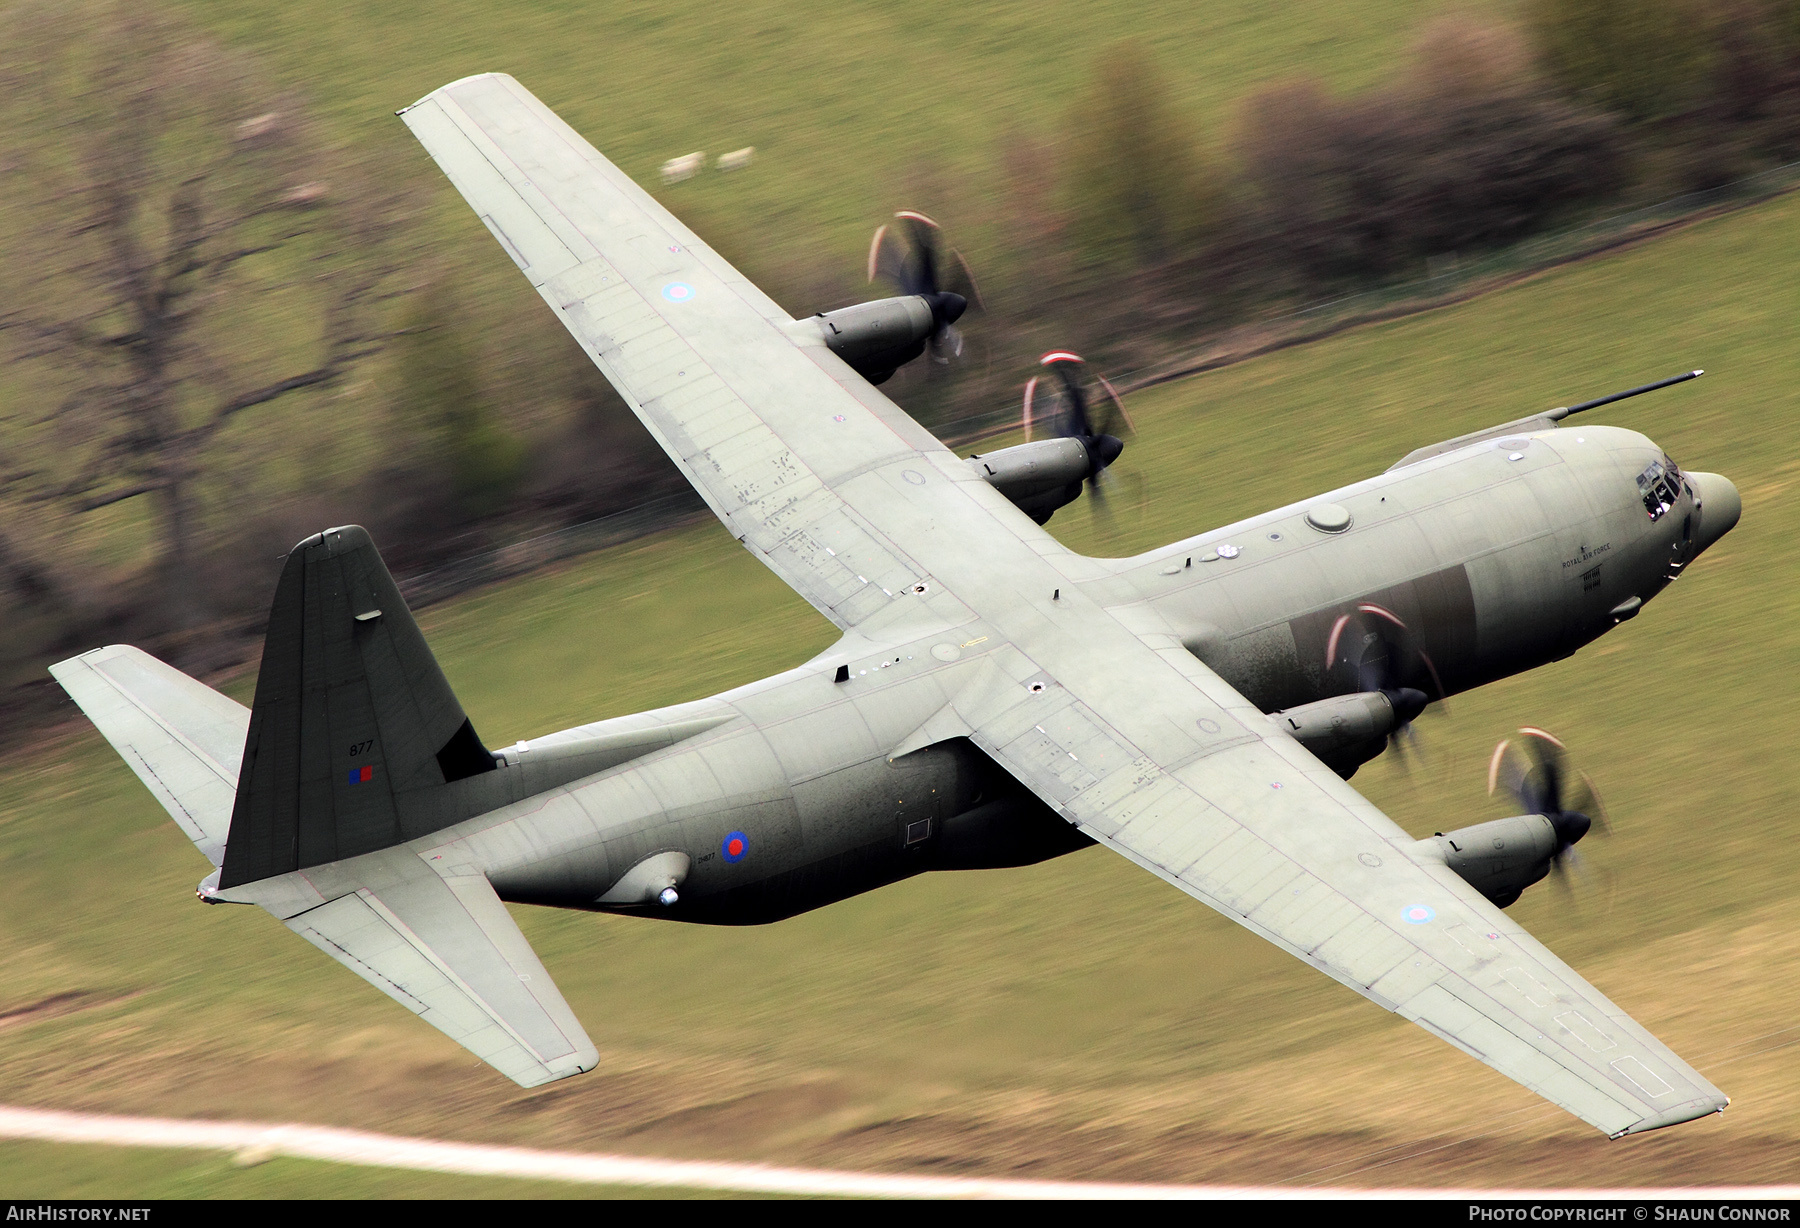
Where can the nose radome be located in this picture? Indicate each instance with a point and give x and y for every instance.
(1720, 507)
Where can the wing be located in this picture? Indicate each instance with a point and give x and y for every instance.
(1253, 825)
(181, 737)
(765, 427)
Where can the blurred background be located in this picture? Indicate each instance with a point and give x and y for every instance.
(237, 304)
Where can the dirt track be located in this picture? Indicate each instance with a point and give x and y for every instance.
(253, 1142)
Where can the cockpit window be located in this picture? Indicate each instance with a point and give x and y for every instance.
(1660, 485)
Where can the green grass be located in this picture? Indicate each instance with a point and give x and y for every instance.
(1078, 1018)
(79, 1171)
(850, 109)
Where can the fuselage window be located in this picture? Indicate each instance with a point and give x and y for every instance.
(1660, 485)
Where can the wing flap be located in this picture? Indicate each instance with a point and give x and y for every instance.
(447, 950)
(183, 739)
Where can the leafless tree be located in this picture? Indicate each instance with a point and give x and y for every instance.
(182, 249)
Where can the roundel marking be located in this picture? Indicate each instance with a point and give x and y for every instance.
(735, 846)
(1417, 914)
(678, 292)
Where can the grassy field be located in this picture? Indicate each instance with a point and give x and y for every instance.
(1077, 1019)
(79, 1172)
(849, 109)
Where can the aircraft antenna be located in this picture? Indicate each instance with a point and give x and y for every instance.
(1557, 415)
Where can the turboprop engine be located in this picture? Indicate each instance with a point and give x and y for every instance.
(1502, 858)
(1039, 476)
(1346, 731)
(878, 337)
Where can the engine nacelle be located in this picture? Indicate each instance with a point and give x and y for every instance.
(878, 337)
(1346, 731)
(1038, 477)
(1502, 858)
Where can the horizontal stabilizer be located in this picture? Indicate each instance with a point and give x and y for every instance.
(182, 738)
(447, 950)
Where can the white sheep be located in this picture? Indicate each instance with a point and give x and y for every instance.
(684, 167)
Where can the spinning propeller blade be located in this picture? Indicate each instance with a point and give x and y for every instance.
(919, 266)
(1372, 649)
(1535, 770)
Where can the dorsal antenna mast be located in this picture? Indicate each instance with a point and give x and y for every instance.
(1557, 415)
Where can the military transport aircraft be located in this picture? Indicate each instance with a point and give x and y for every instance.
(995, 698)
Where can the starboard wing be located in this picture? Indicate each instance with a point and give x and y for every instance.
(765, 426)
(1251, 824)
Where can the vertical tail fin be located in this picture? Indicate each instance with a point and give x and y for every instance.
(355, 731)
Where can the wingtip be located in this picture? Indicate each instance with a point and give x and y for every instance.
(450, 85)
(1692, 1110)
(88, 657)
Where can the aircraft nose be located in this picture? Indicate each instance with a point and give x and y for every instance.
(1720, 507)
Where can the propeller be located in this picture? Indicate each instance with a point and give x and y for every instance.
(1095, 417)
(1535, 769)
(1372, 649)
(920, 266)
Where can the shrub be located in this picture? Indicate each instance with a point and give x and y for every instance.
(1467, 151)
(1137, 192)
(1645, 59)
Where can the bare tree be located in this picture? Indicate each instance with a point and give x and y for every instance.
(183, 249)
